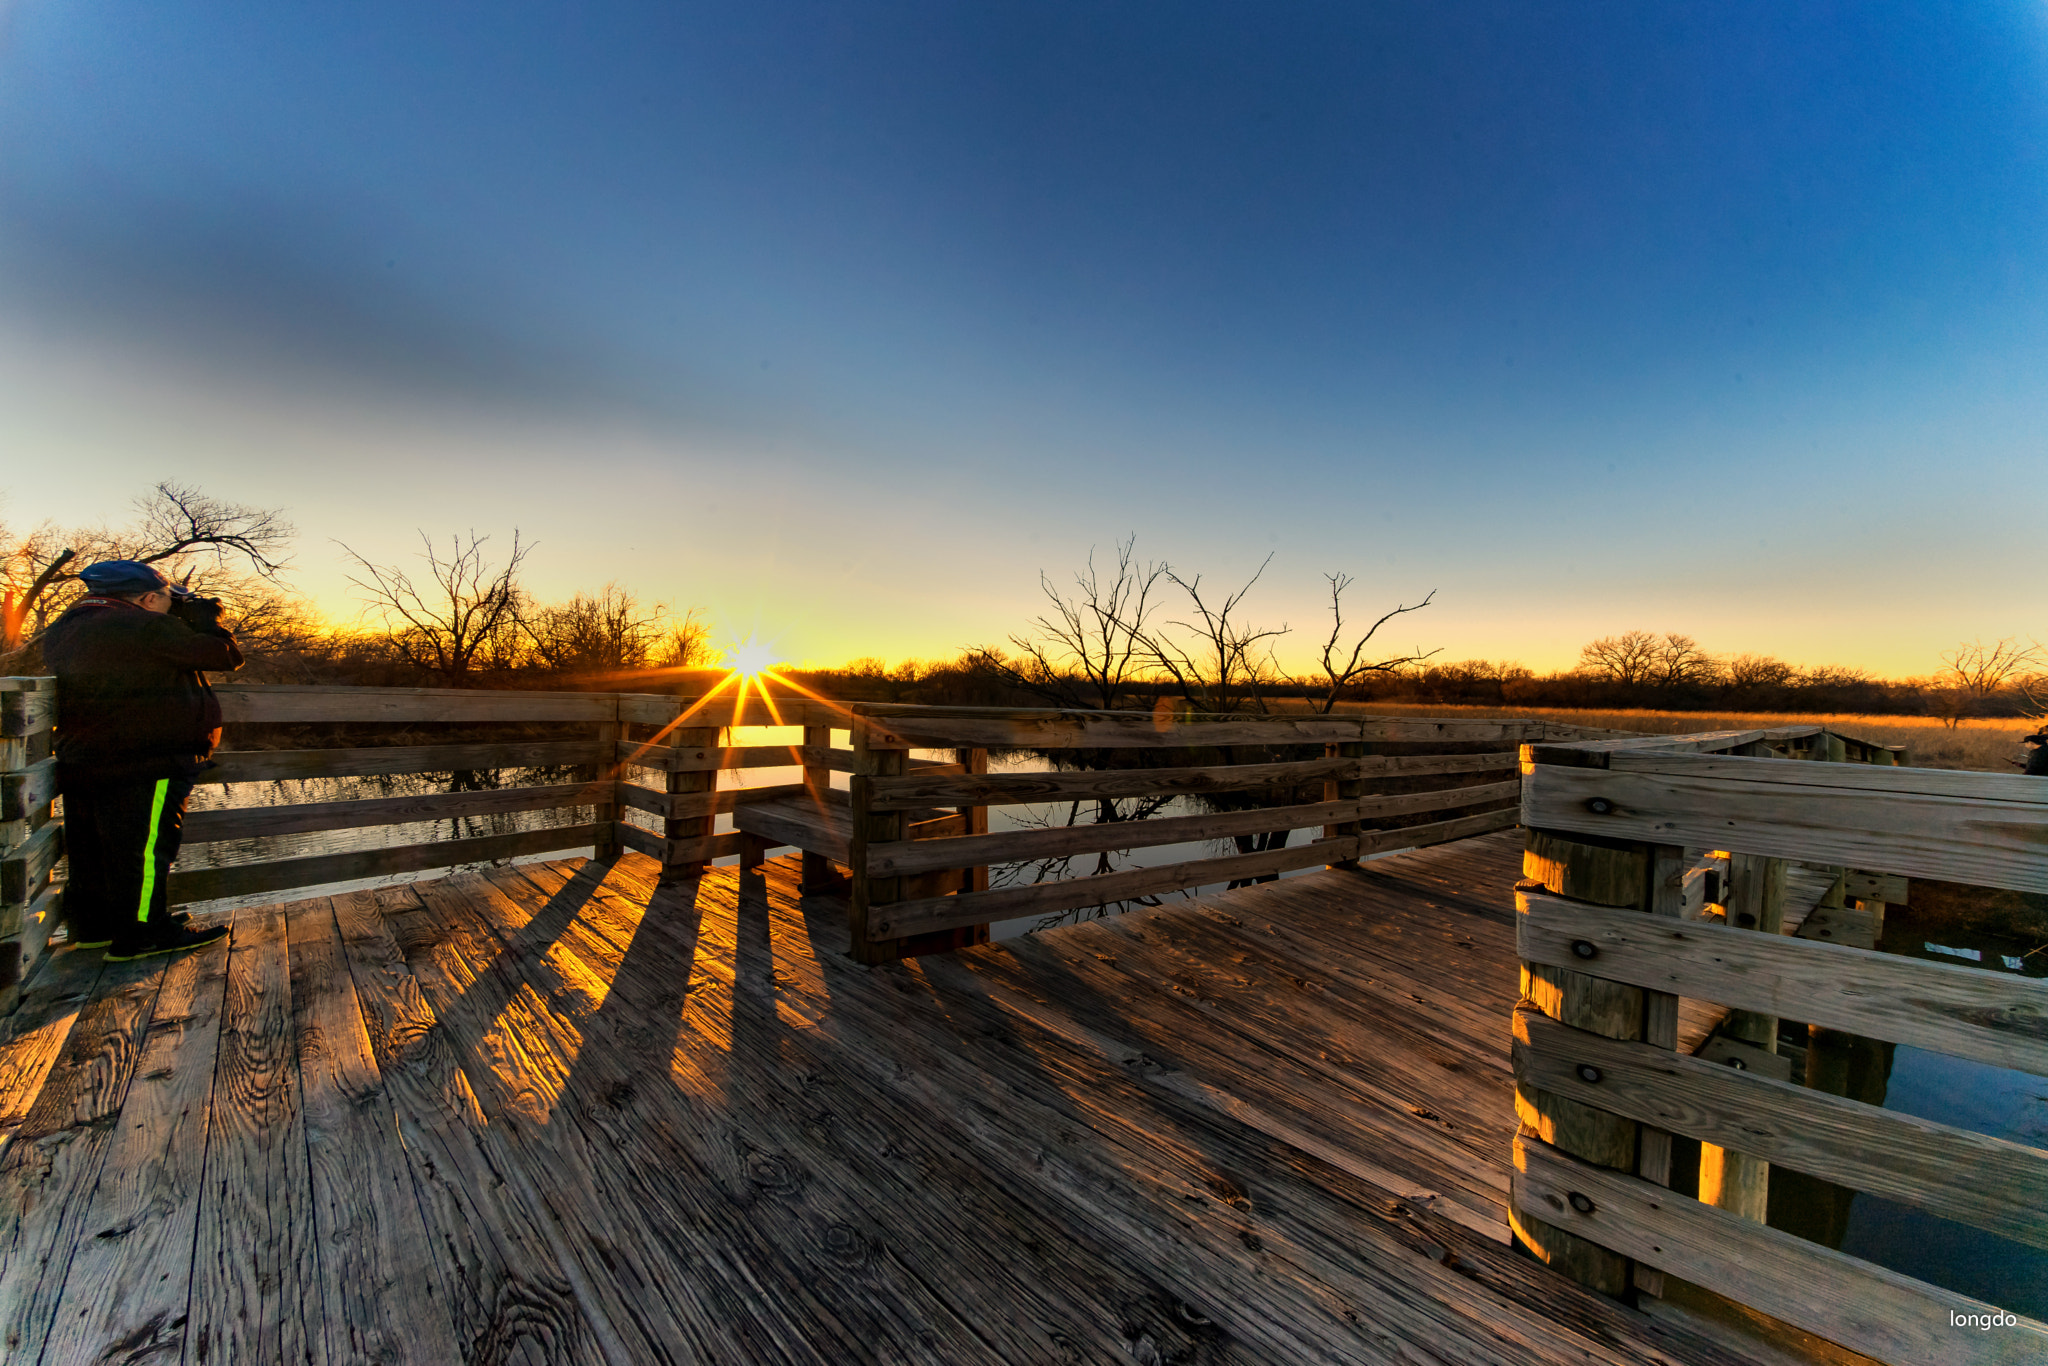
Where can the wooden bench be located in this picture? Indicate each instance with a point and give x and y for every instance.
(800, 821)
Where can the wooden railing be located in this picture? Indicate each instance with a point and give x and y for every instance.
(1608, 950)
(612, 752)
(1368, 768)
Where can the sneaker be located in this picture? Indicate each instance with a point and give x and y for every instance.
(176, 920)
(171, 939)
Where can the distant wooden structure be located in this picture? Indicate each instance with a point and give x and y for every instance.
(641, 1109)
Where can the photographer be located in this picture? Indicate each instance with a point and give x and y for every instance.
(136, 723)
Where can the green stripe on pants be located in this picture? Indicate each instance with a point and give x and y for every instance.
(156, 815)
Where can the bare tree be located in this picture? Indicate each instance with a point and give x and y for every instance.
(459, 619)
(1223, 661)
(684, 643)
(1630, 657)
(1974, 674)
(1342, 670)
(602, 633)
(1093, 645)
(178, 527)
(1747, 672)
(1679, 660)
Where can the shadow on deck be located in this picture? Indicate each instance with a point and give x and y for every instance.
(555, 1113)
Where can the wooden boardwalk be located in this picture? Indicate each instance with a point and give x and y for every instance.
(554, 1113)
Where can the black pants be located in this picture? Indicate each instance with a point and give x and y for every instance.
(120, 835)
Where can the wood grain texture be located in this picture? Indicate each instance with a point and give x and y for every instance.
(26, 867)
(49, 1170)
(268, 765)
(685, 851)
(130, 1279)
(1021, 845)
(27, 790)
(381, 1296)
(1861, 1306)
(684, 805)
(1986, 1182)
(518, 1057)
(33, 1038)
(255, 1284)
(1980, 840)
(936, 913)
(1010, 789)
(511, 1284)
(255, 822)
(1995, 1018)
(273, 704)
(318, 870)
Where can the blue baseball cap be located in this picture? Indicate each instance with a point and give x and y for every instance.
(123, 578)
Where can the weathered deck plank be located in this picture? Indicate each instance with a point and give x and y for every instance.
(563, 1113)
(50, 1169)
(496, 1250)
(131, 1277)
(379, 1286)
(255, 1288)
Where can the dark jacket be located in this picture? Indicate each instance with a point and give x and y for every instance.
(2037, 762)
(130, 698)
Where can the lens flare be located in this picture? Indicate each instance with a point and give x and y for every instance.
(749, 658)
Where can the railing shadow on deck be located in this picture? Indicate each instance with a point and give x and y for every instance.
(1609, 945)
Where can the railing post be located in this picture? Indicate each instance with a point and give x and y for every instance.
(975, 761)
(608, 775)
(692, 828)
(817, 869)
(1611, 874)
(30, 840)
(1345, 789)
(874, 757)
(1734, 1181)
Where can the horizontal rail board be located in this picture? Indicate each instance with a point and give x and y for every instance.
(1861, 1306)
(1011, 789)
(944, 913)
(208, 884)
(1437, 799)
(1997, 842)
(23, 869)
(1011, 846)
(26, 790)
(271, 765)
(1008, 903)
(1000, 728)
(1994, 1018)
(1417, 765)
(256, 703)
(708, 759)
(256, 822)
(698, 849)
(720, 710)
(681, 806)
(1970, 1177)
(837, 760)
(1796, 776)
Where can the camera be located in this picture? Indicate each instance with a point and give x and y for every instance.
(200, 613)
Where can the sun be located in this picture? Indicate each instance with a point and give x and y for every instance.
(749, 659)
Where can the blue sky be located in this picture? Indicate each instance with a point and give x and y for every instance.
(843, 322)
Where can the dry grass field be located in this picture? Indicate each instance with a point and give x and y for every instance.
(1993, 746)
